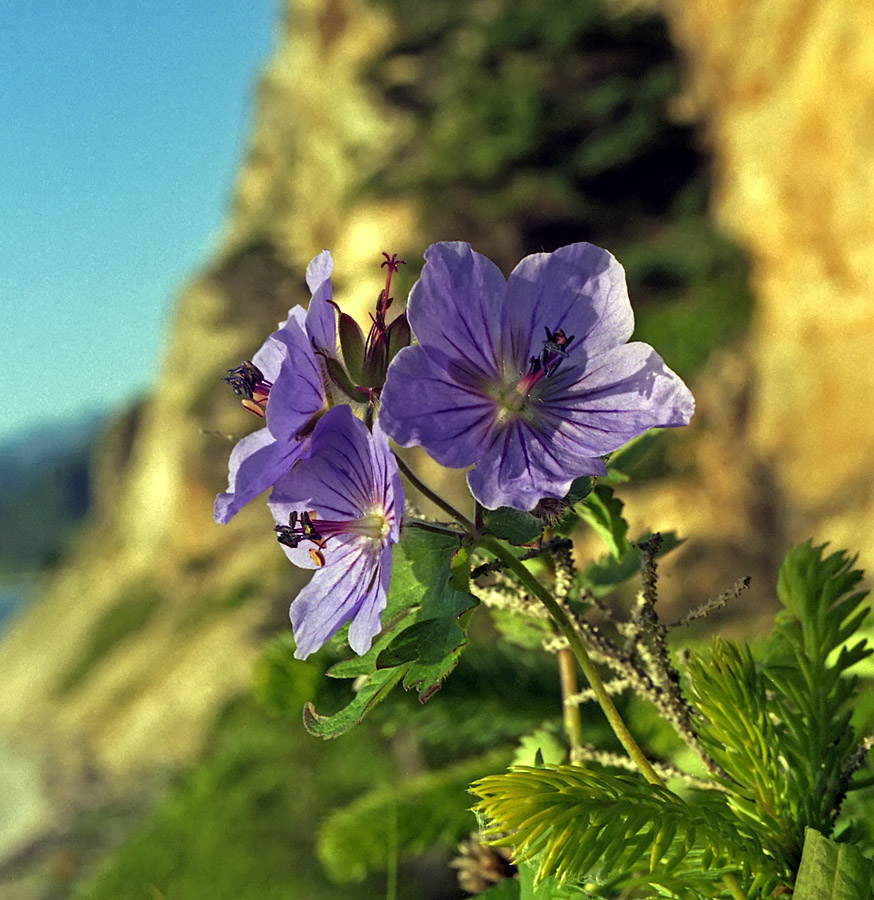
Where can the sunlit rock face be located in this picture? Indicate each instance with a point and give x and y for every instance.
(786, 88)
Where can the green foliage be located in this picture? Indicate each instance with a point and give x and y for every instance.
(512, 525)
(831, 871)
(781, 728)
(602, 510)
(423, 633)
(777, 723)
(617, 830)
(119, 622)
(242, 822)
(357, 838)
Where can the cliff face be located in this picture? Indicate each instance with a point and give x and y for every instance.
(786, 89)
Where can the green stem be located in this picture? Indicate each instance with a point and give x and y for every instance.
(734, 887)
(573, 723)
(433, 527)
(559, 616)
(423, 489)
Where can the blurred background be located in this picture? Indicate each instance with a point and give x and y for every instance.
(168, 173)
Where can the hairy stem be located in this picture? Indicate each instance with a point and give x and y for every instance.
(423, 489)
(531, 584)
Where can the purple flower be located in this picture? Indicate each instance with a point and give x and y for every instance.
(530, 380)
(285, 376)
(339, 512)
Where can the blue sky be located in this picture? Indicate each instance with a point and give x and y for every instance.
(121, 127)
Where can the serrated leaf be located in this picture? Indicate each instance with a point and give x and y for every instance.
(512, 525)
(374, 689)
(425, 618)
(434, 568)
(603, 512)
(832, 871)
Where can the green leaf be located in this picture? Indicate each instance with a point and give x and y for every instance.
(832, 871)
(574, 824)
(431, 570)
(374, 689)
(603, 511)
(546, 889)
(508, 889)
(424, 629)
(580, 489)
(512, 525)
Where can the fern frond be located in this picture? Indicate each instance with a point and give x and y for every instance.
(815, 642)
(730, 691)
(617, 829)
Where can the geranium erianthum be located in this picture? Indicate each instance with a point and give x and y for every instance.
(338, 512)
(283, 384)
(530, 380)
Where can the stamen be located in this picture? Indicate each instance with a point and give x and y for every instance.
(248, 381)
(553, 352)
(301, 528)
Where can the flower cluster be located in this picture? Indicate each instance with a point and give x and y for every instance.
(530, 381)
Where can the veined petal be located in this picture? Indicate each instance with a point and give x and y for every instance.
(423, 404)
(333, 595)
(337, 480)
(579, 289)
(522, 465)
(622, 394)
(298, 391)
(257, 462)
(455, 307)
(366, 622)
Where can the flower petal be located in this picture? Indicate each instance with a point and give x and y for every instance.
(422, 403)
(579, 289)
(321, 324)
(622, 394)
(337, 478)
(298, 391)
(455, 307)
(257, 462)
(334, 595)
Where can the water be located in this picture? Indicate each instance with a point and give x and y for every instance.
(14, 595)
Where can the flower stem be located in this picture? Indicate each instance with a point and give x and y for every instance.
(433, 527)
(573, 723)
(733, 885)
(620, 729)
(423, 489)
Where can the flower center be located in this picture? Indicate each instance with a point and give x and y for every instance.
(514, 399)
(249, 382)
(302, 527)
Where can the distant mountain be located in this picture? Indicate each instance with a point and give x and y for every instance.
(45, 490)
